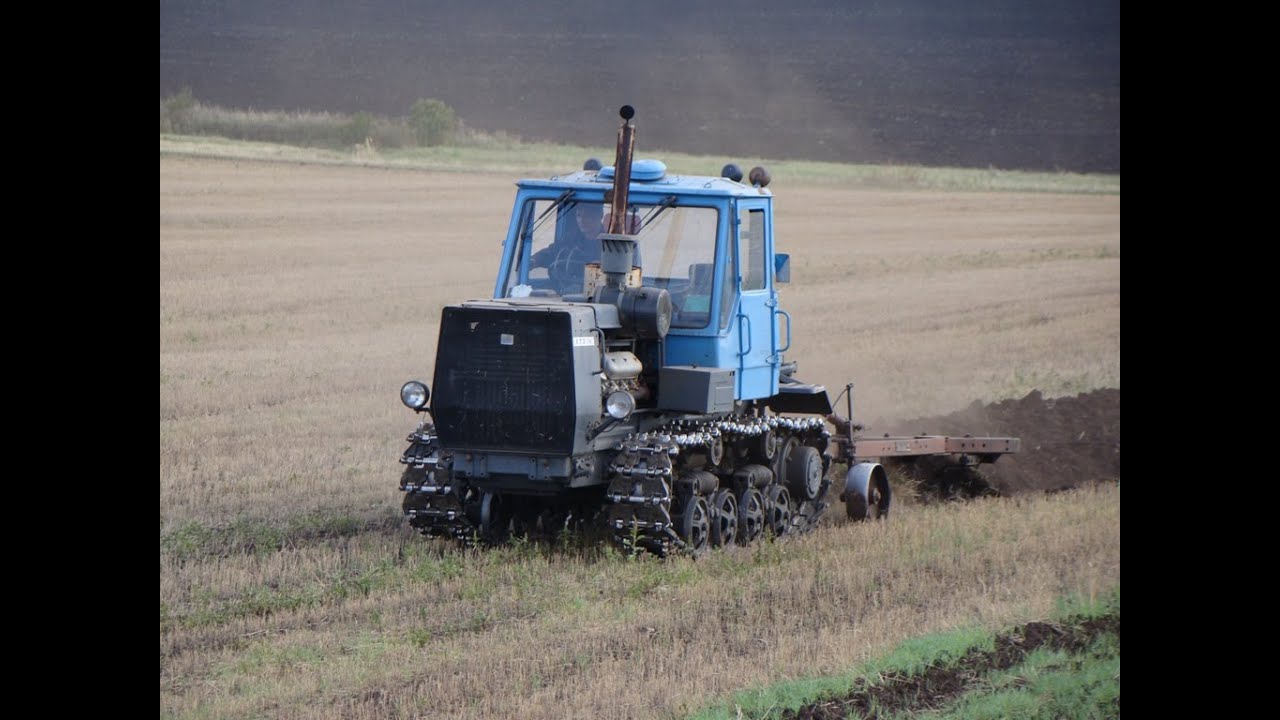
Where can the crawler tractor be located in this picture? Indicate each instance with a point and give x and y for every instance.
(629, 372)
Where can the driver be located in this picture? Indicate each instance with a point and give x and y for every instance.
(578, 242)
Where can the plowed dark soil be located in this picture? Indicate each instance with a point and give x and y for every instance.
(895, 694)
(1066, 442)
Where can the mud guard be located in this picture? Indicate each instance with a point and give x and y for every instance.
(800, 398)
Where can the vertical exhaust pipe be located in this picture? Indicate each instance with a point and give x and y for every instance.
(645, 312)
(617, 252)
(622, 171)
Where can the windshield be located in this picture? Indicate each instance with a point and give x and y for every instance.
(675, 249)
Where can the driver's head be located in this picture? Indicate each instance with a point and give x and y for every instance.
(588, 217)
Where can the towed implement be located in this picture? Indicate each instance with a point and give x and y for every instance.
(629, 372)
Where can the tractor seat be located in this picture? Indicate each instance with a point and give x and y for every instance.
(696, 301)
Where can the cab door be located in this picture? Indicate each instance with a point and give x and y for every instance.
(757, 329)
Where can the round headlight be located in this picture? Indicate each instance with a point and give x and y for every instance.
(415, 394)
(620, 404)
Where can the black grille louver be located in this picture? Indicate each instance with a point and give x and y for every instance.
(504, 381)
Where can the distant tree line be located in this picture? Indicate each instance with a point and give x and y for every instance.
(430, 122)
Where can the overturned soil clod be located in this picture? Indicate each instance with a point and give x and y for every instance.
(1067, 442)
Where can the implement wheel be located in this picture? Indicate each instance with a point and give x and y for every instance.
(867, 494)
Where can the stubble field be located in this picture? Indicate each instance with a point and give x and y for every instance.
(294, 301)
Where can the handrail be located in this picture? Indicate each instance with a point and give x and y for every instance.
(787, 315)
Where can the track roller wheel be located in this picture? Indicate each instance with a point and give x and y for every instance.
(751, 515)
(724, 526)
(779, 507)
(695, 523)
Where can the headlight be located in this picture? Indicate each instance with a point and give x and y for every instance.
(415, 395)
(619, 405)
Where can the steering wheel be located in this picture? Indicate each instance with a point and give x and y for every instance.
(565, 271)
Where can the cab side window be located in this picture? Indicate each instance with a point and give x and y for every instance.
(751, 249)
(728, 289)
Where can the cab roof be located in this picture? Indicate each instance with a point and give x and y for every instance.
(667, 183)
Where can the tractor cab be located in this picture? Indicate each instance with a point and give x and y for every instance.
(706, 241)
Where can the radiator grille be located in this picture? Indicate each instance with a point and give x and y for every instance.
(504, 381)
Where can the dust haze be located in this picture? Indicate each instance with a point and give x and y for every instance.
(997, 83)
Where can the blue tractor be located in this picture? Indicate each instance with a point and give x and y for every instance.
(629, 373)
